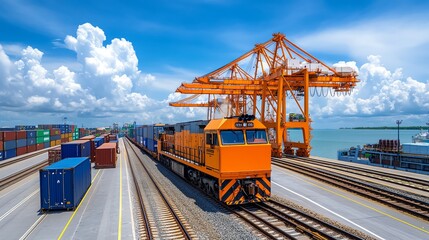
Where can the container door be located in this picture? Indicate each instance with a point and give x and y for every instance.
(56, 185)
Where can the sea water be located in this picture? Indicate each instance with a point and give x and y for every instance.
(326, 142)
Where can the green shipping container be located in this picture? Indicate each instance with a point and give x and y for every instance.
(43, 139)
(43, 133)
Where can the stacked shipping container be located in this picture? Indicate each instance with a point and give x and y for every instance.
(31, 141)
(55, 135)
(21, 143)
(9, 144)
(25, 139)
(1, 146)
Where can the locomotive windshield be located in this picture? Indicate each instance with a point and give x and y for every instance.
(232, 137)
(256, 136)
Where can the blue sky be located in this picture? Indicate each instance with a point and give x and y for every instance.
(120, 61)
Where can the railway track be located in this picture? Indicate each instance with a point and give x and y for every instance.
(393, 199)
(406, 181)
(14, 178)
(10, 162)
(278, 221)
(160, 218)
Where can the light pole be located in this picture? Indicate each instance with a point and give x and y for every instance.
(399, 143)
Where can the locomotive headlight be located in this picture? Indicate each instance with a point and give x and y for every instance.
(245, 124)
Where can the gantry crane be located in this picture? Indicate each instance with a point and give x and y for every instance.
(260, 82)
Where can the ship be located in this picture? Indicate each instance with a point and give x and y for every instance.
(389, 153)
(422, 136)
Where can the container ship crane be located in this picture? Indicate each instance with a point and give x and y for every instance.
(266, 82)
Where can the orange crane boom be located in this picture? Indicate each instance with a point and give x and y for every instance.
(260, 82)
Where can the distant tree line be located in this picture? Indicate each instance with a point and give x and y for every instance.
(388, 128)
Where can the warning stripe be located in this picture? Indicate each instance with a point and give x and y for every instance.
(231, 188)
(231, 192)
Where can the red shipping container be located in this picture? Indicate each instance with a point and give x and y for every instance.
(54, 131)
(1, 136)
(64, 140)
(106, 156)
(21, 134)
(21, 151)
(91, 138)
(7, 136)
(31, 148)
(40, 146)
(1, 145)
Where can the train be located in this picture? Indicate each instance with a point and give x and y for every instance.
(228, 158)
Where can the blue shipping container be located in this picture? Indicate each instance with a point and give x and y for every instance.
(78, 148)
(1, 155)
(98, 141)
(31, 141)
(64, 183)
(9, 153)
(47, 145)
(8, 145)
(21, 143)
(55, 137)
(31, 134)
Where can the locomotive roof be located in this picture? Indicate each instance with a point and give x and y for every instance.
(229, 123)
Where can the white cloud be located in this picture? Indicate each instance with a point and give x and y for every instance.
(37, 100)
(107, 83)
(401, 40)
(66, 79)
(380, 93)
(5, 64)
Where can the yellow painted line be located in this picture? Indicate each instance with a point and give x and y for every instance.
(364, 205)
(120, 199)
(75, 211)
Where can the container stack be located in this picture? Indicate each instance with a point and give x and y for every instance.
(106, 156)
(54, 155)
(55, 136)
(21, 143)
(75, 132)
(31, 140)
(25, 139)
(43, 138)
(1, 146)
(25, 127)
(64, 183)
(9, 144)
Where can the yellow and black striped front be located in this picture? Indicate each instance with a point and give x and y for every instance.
(232, 191)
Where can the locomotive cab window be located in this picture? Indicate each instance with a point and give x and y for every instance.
(211, 139)
(256, 136)
(229, 137)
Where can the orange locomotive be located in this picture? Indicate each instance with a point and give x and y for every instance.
(228, 158)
